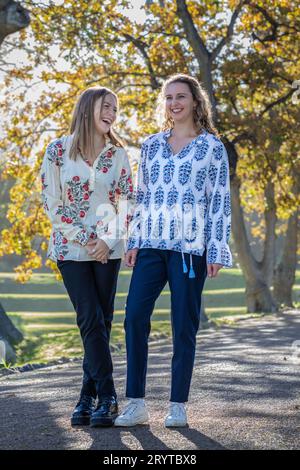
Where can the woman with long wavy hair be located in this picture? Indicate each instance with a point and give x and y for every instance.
(86, 178)
(179, 234)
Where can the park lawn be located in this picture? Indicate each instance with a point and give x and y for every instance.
(42, 311)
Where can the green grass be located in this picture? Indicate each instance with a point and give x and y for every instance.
(42, 310)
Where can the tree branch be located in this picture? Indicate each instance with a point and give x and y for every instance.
(275, 103)
(141, 46)
(229, 32)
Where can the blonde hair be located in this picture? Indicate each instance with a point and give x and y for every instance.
(83, 125)
(202, 112)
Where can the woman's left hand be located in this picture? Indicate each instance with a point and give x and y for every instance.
(98, 249)
(213, 269)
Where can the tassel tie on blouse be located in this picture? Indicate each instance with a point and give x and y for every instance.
(184, 266)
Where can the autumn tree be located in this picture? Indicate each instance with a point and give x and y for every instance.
(245, 54)
(13, 17)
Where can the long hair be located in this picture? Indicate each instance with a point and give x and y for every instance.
(83, 125)
(202, 113)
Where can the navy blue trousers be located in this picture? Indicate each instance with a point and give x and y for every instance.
(153, 269)
(92, 287)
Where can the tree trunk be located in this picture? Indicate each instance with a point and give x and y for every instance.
(8, 331)
(284, 275)
(258, 294)
(268, 263)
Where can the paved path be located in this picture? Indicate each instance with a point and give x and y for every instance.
(245, 395)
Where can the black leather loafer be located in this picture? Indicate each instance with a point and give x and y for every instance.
(105, 413)
(83, 411)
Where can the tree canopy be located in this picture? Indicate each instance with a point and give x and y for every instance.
(246, 53)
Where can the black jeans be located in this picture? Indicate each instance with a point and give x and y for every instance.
(92, 286)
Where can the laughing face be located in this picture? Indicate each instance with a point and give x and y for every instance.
(105, 113)
(179, 102)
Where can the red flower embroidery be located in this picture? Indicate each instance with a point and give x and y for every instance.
(109, 154)
(69, 220)
(76, 178)
(118, 191)
(64, 240)
(104, 169)
(61, 257)
(85, 187)
(86, 196)
(63, 218)
(81, 214)
(123, 172)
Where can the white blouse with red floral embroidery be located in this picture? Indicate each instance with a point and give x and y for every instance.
(85, 202)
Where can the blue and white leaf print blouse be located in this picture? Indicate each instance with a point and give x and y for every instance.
(83, 202)
(183, 200)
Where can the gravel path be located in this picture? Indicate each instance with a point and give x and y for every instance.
(245, 395)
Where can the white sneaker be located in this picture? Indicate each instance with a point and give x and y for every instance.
(177, 416)
(134, 413)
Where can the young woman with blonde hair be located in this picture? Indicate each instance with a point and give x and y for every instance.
(179, 234)
(86, 176)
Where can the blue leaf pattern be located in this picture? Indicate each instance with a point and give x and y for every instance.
(218, 152)
(184, 172)
(200, 179)
(166, 153)
(147, 199)
(159, 197)
(168, 172)
(212, 254)
(212, 173)
(154, 172)
(228, 230)
(227, 205)
(173, 229)
(191, 231)
(139, 195)
(172, 197)
(208, 229)
(201, 150)
(149, 226)
(187, 199)
(223, 175)
(162, 245)
(216, 202)
(153, 149)
(166, 184)
(219, 229)
(146, 176)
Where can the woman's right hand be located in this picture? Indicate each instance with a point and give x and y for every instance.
(130, 257)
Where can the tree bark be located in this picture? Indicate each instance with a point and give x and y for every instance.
(8, 330)
(13, 18)
(268, 262)
(284, 275)
(258, 294)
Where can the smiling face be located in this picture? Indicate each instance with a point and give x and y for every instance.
(179, 102)
(105, 113)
